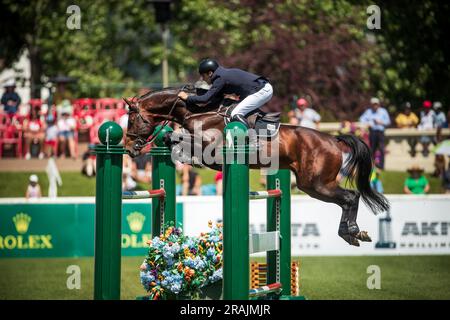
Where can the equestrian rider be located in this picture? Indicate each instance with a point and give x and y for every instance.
(253, 90)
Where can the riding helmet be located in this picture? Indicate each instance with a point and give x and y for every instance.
(207, 65)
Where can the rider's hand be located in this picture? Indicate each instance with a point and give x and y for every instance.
(231, 96)
(183, 95)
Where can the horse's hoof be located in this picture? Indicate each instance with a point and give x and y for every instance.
(363, 236)
(355, 242)
(349, 239)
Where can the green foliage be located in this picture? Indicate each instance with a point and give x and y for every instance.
(410, 59)
(321, 49)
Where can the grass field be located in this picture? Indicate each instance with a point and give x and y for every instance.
(14, 184)
(402, 277)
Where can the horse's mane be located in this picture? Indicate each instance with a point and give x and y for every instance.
(188, 88)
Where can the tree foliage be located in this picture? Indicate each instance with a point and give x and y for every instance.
(319, 49)
(411, 56)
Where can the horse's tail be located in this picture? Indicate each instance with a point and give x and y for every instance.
(359, 167)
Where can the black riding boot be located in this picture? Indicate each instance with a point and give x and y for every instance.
(240, 118)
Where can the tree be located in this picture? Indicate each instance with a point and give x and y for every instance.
(412, 53)
(304, 47)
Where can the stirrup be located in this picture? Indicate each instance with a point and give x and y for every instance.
(240, 118)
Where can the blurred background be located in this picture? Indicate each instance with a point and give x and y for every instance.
(65, 66)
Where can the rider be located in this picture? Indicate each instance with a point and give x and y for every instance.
(253, 90)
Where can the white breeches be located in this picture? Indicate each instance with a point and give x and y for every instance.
(254, 101)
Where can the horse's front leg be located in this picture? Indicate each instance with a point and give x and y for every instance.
(185, 148)
(179, 148)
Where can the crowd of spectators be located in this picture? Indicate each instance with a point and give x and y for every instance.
(372, 126)
(52, 130)
(41, 129)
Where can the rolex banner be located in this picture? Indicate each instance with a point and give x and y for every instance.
(67, 229)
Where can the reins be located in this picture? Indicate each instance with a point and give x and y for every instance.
(152, 137)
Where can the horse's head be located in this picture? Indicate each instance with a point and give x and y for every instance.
(145, 113)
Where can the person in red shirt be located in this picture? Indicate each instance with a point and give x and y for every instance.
(219, 186)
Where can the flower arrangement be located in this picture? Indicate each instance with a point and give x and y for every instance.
(180, 266)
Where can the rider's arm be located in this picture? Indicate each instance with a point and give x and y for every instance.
(217, 86)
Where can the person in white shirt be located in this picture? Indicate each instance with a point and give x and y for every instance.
(427, 122)
(33, 189)
(304, 116)
(66, 133)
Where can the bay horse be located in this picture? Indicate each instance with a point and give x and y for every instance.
(315, 158)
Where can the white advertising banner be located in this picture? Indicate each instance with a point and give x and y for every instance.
(415, 225)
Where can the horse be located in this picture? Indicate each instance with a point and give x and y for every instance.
(317, 159)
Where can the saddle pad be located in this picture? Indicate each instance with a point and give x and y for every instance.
(267, 129)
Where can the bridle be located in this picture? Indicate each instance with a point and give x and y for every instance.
(141, 142)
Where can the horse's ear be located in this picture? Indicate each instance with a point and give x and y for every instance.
(129, 103)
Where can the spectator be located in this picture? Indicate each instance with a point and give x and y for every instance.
(377, 119)
(34, 189)
(123, 122)
(66, 133)
(446, 179)
(128, 183)
(348, 127)
(51, 135)
(441, 120)
(441, 123)
(142, 168)
(416, 183)
(427, 122)
(34, 133)
(375, 181)
(190, 180)
(408, 119)
(219, 183)
(89, 166)
(10, 99)
(304, 116)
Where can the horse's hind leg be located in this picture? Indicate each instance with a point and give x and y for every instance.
(347, 199)
(353, 228)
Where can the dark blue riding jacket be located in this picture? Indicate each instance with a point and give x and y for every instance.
(230, 81)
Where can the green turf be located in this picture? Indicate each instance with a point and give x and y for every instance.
(14, 184)
(402, 277)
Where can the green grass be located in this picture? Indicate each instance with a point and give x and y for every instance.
(14, 184)
(402, 277)
(393, 182)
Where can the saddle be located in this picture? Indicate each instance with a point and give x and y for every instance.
(266, 124)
